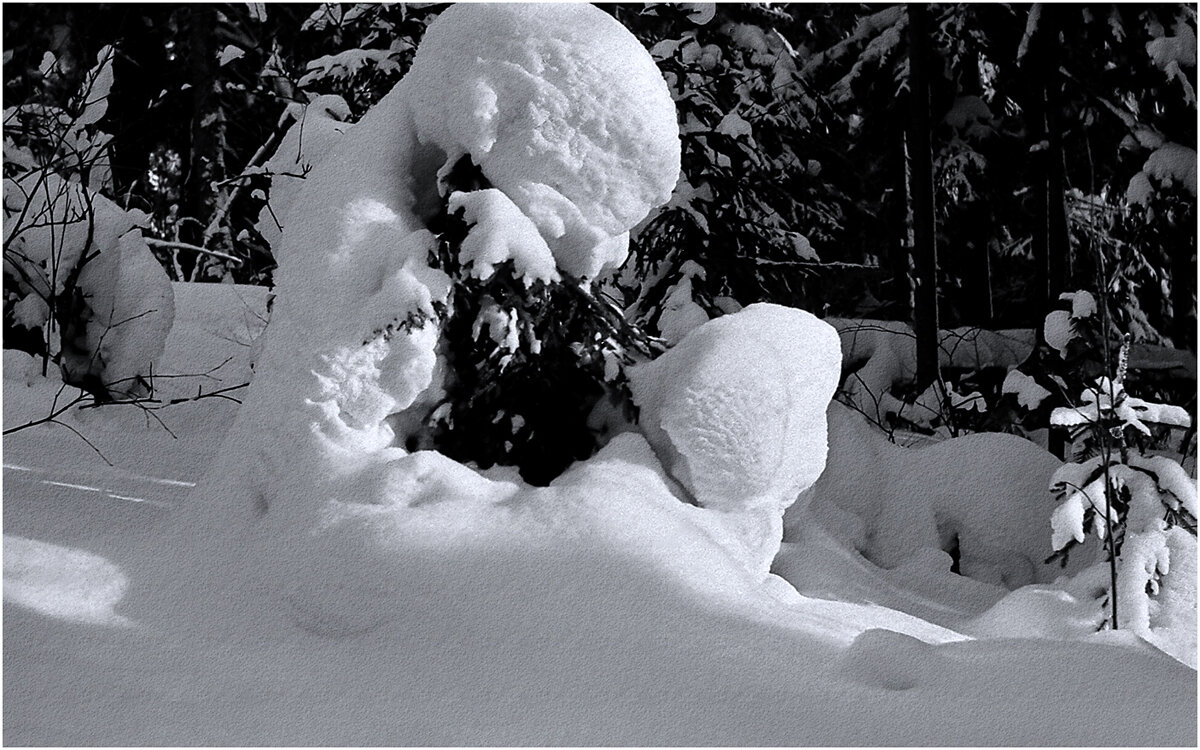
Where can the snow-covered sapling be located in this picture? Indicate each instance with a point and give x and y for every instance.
(1141, 507)
(530, 351)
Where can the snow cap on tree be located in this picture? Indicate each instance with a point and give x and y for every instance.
(605, 145)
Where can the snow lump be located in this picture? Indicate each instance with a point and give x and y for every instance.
(563, 111)
(736, 413)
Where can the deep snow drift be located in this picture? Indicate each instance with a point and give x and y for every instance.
(321, 585)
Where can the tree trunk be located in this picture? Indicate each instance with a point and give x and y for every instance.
(1058, 236)
(1183, 274)
(207, 129)
(920, 154)
(1051, 237)
(140, 72)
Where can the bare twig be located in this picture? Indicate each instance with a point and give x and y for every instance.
(171, 245)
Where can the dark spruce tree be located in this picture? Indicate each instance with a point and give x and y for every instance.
(522, 402)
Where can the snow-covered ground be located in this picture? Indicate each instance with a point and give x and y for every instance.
(610, 622)
(282, 572)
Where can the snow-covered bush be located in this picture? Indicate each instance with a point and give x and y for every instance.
(380, 316)
(1142, 508)
(529, 351)
(81, 285)
(311, 131)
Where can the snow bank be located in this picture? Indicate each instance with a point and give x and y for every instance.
(564, 111)
(593, 612)
(983, 496)
(736, 412)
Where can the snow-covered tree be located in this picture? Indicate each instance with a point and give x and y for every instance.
(1141, 507)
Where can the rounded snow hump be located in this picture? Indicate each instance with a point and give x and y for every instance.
(605, 144)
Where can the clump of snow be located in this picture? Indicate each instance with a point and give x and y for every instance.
(1168, 618)
(500, 232)
(1058, 331)
(48, 221)
(1030, 394)
(563, 111)
(736, 412)
(1174, 53)
(1170, 164)
(1083, 304)
(132, 306)
(680, 313)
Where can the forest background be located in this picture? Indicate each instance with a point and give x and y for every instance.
(945, 166)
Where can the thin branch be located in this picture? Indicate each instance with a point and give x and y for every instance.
(169, 245)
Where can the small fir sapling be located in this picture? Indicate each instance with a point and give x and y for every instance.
(1135, 504)
(527, 357)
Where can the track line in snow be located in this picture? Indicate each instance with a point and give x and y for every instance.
(82, 487)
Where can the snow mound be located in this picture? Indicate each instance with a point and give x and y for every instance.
(500, 232)
(352, 353)
(736, 413)
(564, 111)
(133, 307)
(981, 496)
(124, 307)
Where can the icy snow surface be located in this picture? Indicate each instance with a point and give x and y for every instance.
(321, 586)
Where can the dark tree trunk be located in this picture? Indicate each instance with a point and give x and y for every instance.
(1058, 236)
(920, 153)
(1183, 275)
(976, 224)
(1051, 237)
(207, 126)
